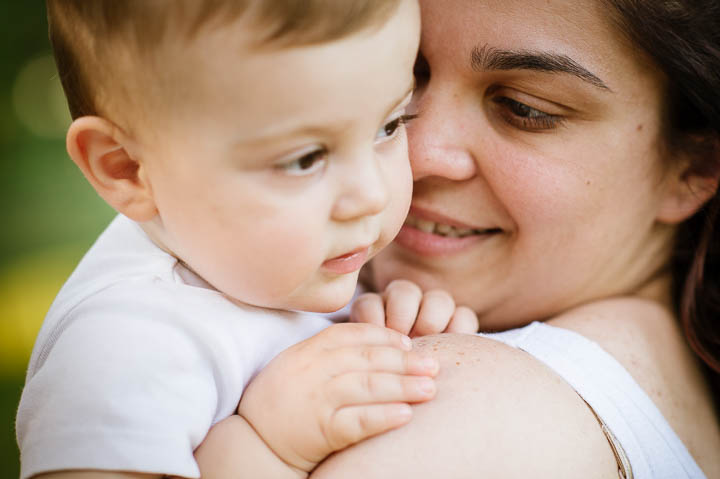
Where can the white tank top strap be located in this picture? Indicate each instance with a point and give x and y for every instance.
(623, 463)
(644, 444)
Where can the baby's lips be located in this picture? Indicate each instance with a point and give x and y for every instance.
(347, 263)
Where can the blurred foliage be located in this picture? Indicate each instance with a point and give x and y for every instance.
(51, 214)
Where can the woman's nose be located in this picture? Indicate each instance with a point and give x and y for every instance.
(438, 140)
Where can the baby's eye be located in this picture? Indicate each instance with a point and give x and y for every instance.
(389, 129)
(307, 164)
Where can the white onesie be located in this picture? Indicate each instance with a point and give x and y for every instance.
(137, 359)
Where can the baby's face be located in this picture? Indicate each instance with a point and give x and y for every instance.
(277, 173)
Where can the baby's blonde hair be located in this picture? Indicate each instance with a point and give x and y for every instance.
(85, 34)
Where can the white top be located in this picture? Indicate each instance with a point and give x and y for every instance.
(653, 449)
(137, 358)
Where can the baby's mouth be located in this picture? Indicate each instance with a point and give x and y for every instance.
(448, 231)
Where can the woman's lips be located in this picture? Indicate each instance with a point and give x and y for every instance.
(347, 263)
(432, 235)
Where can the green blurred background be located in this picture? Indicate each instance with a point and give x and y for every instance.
(50, 216)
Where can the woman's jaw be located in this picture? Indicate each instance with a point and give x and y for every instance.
(511, 278)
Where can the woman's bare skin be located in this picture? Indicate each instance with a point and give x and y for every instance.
(501, 413)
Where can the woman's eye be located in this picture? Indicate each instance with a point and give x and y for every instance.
(526, 117)
(306, 164)
(389, 129)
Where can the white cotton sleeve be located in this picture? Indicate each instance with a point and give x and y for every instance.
(121, 388)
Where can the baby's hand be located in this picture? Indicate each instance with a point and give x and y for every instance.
(343, 385)
(405, 308)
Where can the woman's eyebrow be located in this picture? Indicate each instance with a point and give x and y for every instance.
(486, 58)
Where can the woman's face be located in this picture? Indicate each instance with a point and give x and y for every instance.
(536, 157)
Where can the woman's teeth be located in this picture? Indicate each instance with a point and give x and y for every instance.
(440, 228)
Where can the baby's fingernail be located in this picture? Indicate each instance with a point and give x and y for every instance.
(429, 364)
(407, 342)
(426, 386)
(402, 412)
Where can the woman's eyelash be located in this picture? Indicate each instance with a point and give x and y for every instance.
(526, 117)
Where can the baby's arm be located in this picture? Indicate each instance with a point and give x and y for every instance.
(343, 385)
(405, 308)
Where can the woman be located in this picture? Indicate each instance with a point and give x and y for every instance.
(566, 161)
(575, 147)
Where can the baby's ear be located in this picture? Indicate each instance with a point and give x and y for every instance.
(101, 150)
(688, 189)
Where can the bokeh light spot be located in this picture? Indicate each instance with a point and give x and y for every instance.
(38, 99)
(28, 286)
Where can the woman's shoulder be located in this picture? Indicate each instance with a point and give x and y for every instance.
(643, 336)
(498, 413)
(646, 339)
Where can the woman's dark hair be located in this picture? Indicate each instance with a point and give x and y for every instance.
(682, 37)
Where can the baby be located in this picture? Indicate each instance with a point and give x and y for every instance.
(256, 153)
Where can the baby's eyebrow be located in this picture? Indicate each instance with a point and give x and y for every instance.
(487, 58)
(314, 129)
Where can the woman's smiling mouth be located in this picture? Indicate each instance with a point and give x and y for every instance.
(434, 238)
(446, 230)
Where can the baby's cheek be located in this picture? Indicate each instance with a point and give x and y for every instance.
(263, 262)
(396, 212)
(287, 258)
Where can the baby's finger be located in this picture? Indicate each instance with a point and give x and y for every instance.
(353, 334)
(436, 311)
(357, 388)
(402, 301)
(380, 359)
(368, 308)
(463, 321)
(354, 423)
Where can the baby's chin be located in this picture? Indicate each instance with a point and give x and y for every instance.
(328, 297)
(336, 297)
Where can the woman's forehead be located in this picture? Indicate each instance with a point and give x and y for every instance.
(578, 36)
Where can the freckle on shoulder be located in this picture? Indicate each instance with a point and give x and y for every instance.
(508, 401)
